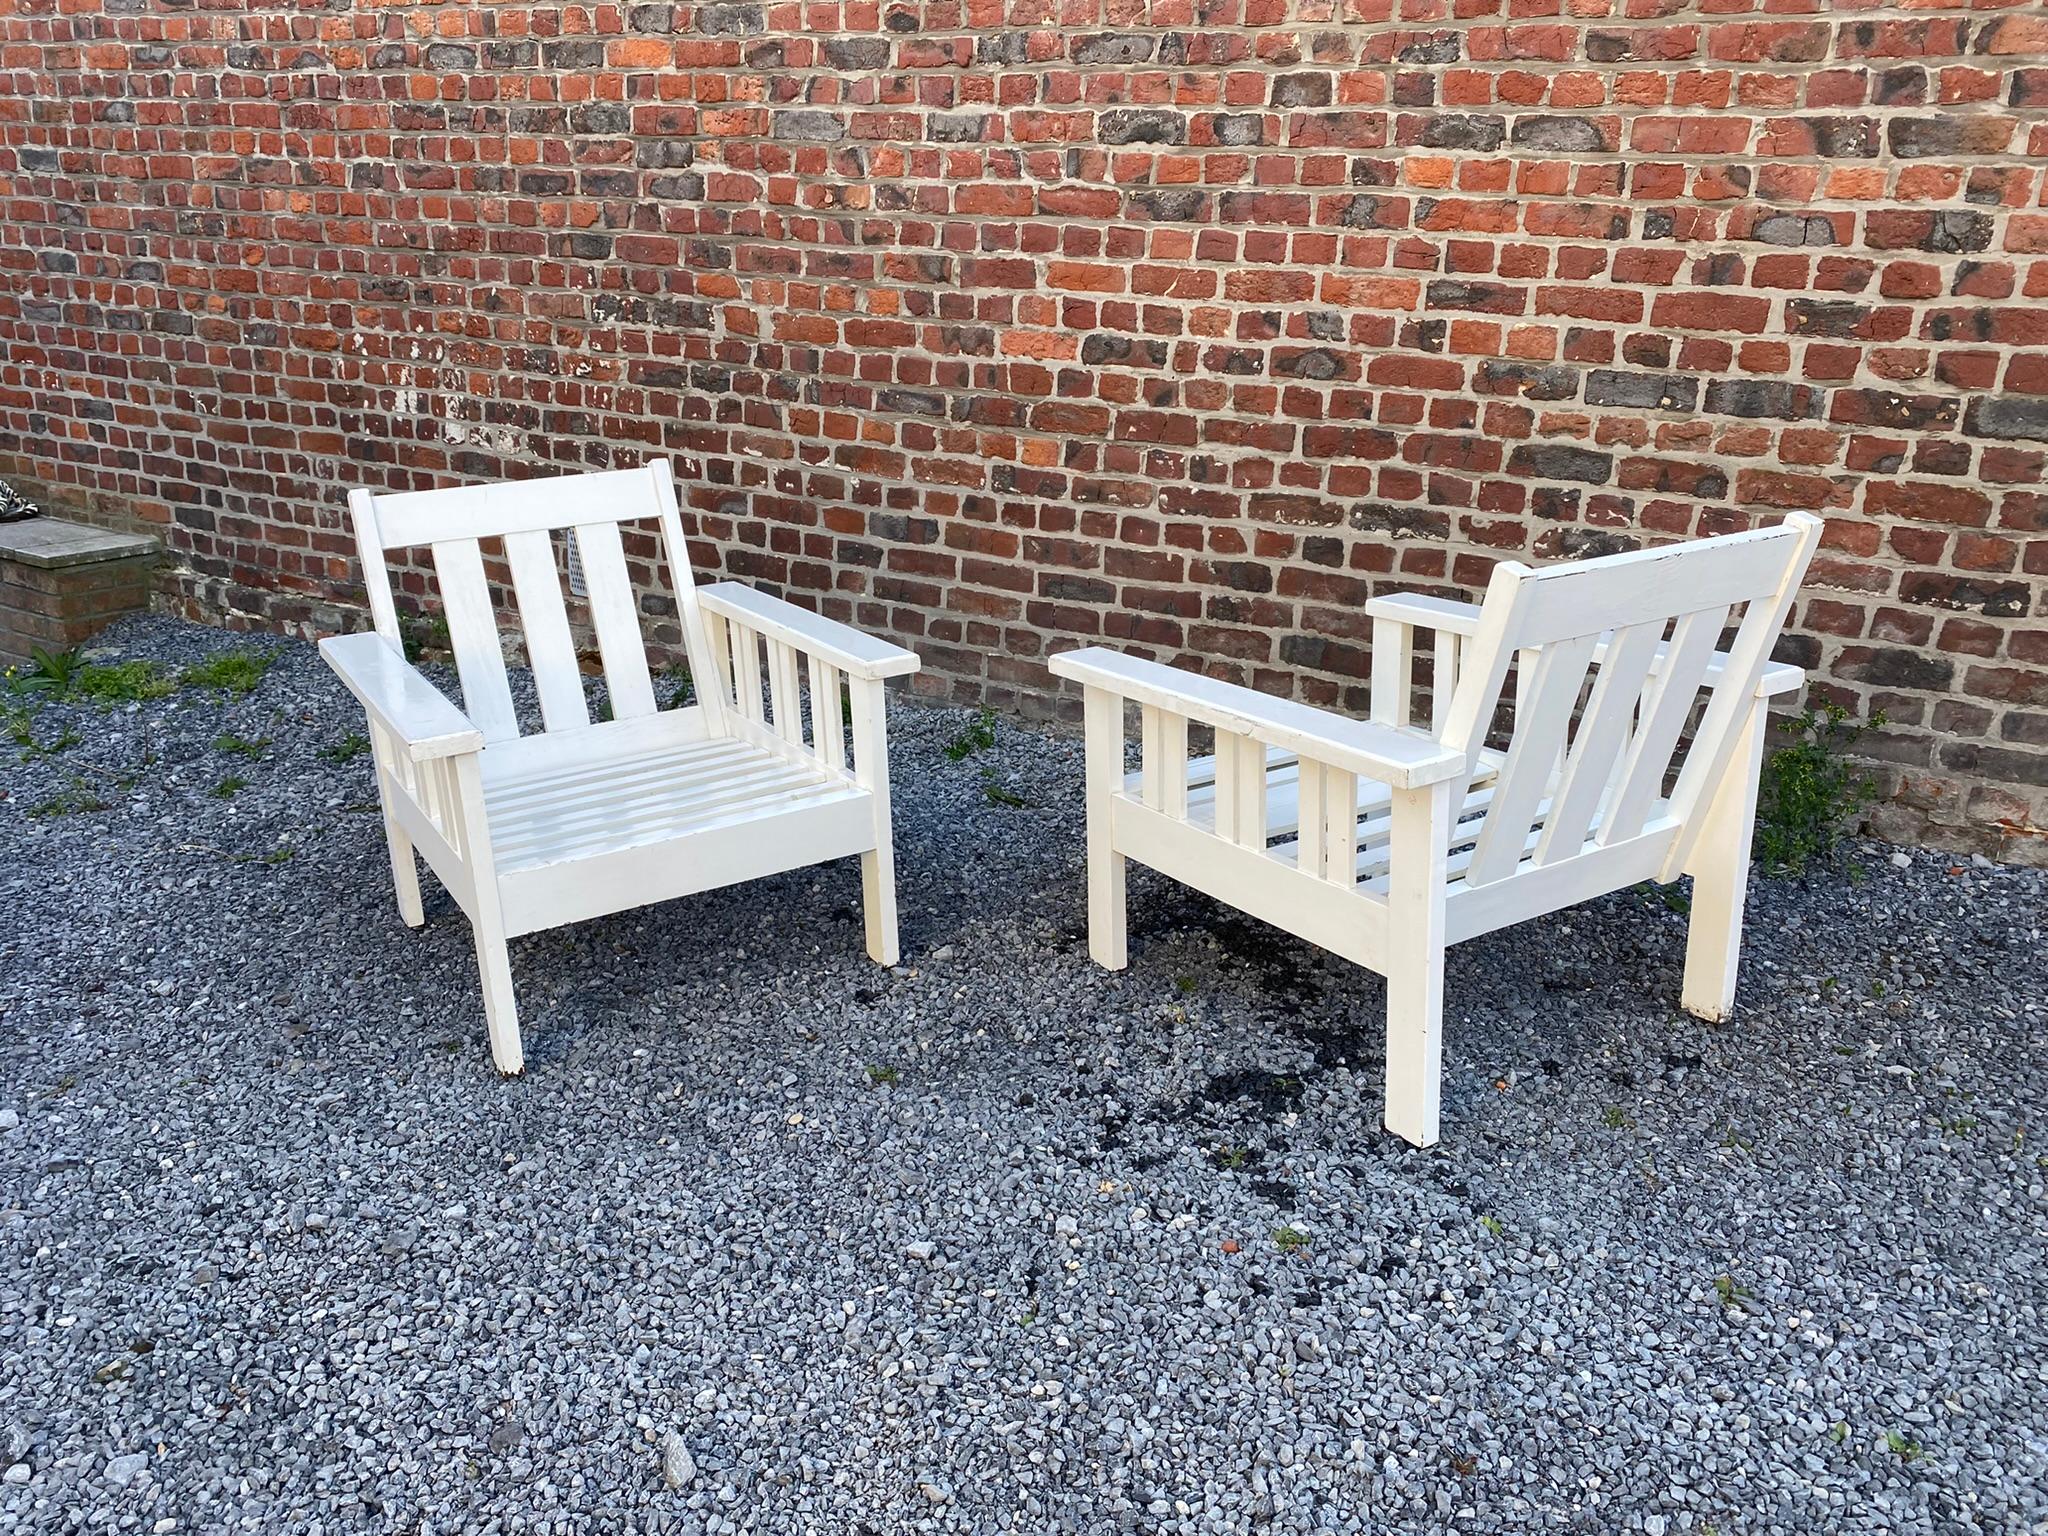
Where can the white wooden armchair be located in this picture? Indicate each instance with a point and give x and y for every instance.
(588, 817)
(1384, 843)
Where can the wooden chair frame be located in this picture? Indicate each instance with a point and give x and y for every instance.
(590, 817)
(1385, 843)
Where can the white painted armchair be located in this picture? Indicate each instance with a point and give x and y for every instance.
(1385, 843)
(587, 817)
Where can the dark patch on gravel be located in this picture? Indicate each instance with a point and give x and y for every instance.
(271, 1224)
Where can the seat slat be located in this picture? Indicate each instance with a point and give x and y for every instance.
(549, 648)
(616, 618)
(473, 635)
(647, 798)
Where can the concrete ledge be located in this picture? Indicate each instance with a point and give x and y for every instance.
(60, 583)
(51, 544)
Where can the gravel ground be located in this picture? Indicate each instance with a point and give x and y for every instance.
(995, 1241)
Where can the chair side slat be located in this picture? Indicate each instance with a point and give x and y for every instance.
(550, 650)
(616, 618)
(473, 634)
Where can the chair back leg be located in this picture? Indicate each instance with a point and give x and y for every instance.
(1103, 721)
(1719, 867)
(405, 872)
(878, 865)
(1419, 834)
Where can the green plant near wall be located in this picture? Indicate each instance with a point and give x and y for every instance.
(1810, 792)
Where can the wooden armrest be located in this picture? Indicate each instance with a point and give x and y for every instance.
(1391, 755)
(1414, 608)
(841, 645)
(399, 698)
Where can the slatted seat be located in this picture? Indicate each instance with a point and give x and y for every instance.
(591, 816)
(650, 797)
(1633, 755)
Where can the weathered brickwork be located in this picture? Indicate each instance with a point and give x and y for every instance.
(1179, 325)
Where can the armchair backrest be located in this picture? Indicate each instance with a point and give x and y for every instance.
(1633, 635)
(522, 515)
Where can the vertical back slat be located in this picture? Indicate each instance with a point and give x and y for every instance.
(828, 716)
(1393, 670)
(1443, 684)
(1310, 816)
(549, 648)
(1603, 733)
(1543, 715)
(718, 680)
(473, 633)
(746, 672)
(1173, 758)
(362, 514)
(1250, 789)
(1339, 830)
(707, 659)
(784, 708)
(1668, 700)
(1151, 766)
(616, 618)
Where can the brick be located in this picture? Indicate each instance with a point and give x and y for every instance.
(1188, 330)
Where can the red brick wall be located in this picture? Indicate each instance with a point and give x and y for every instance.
(1178, 325)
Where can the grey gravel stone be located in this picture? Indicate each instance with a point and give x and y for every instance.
(678, 1466)
(1777, 1276)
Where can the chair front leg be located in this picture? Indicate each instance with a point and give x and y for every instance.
(1720, 879)
(1418, 841)
(1103, 765)
(878, 864)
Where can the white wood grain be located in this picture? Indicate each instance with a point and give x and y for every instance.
(550, 649)
(473, 635)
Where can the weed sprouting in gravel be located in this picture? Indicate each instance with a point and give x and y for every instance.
(229, 673)
(229, 787)
(1809, 792)
(346, 750)
(1903, 1446)
(1614, 1118)
(996, 794)
(1493, 1226)
(1291, 1239)
(242, 746)
(123, 682)
(1230, 1158)
(76, 798)
(883, 1076)
(978, 735)
(1732, 1291)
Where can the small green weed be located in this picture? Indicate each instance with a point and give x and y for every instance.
(123, 682)
(51, 671)
(419, 636)
(1614, 1118)
(229, 787)
(229, 672)
(75, 799)
(1809, 793)
(1291, 1239)
(883, 1075)
(1185, 985)
(997, 795)
(1732, 1291)
(1229, 1157)
(242, 746)
(1905, 1448)
(978, 735)
(346, 750)
(1493, 1226)
(1839, 1433)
